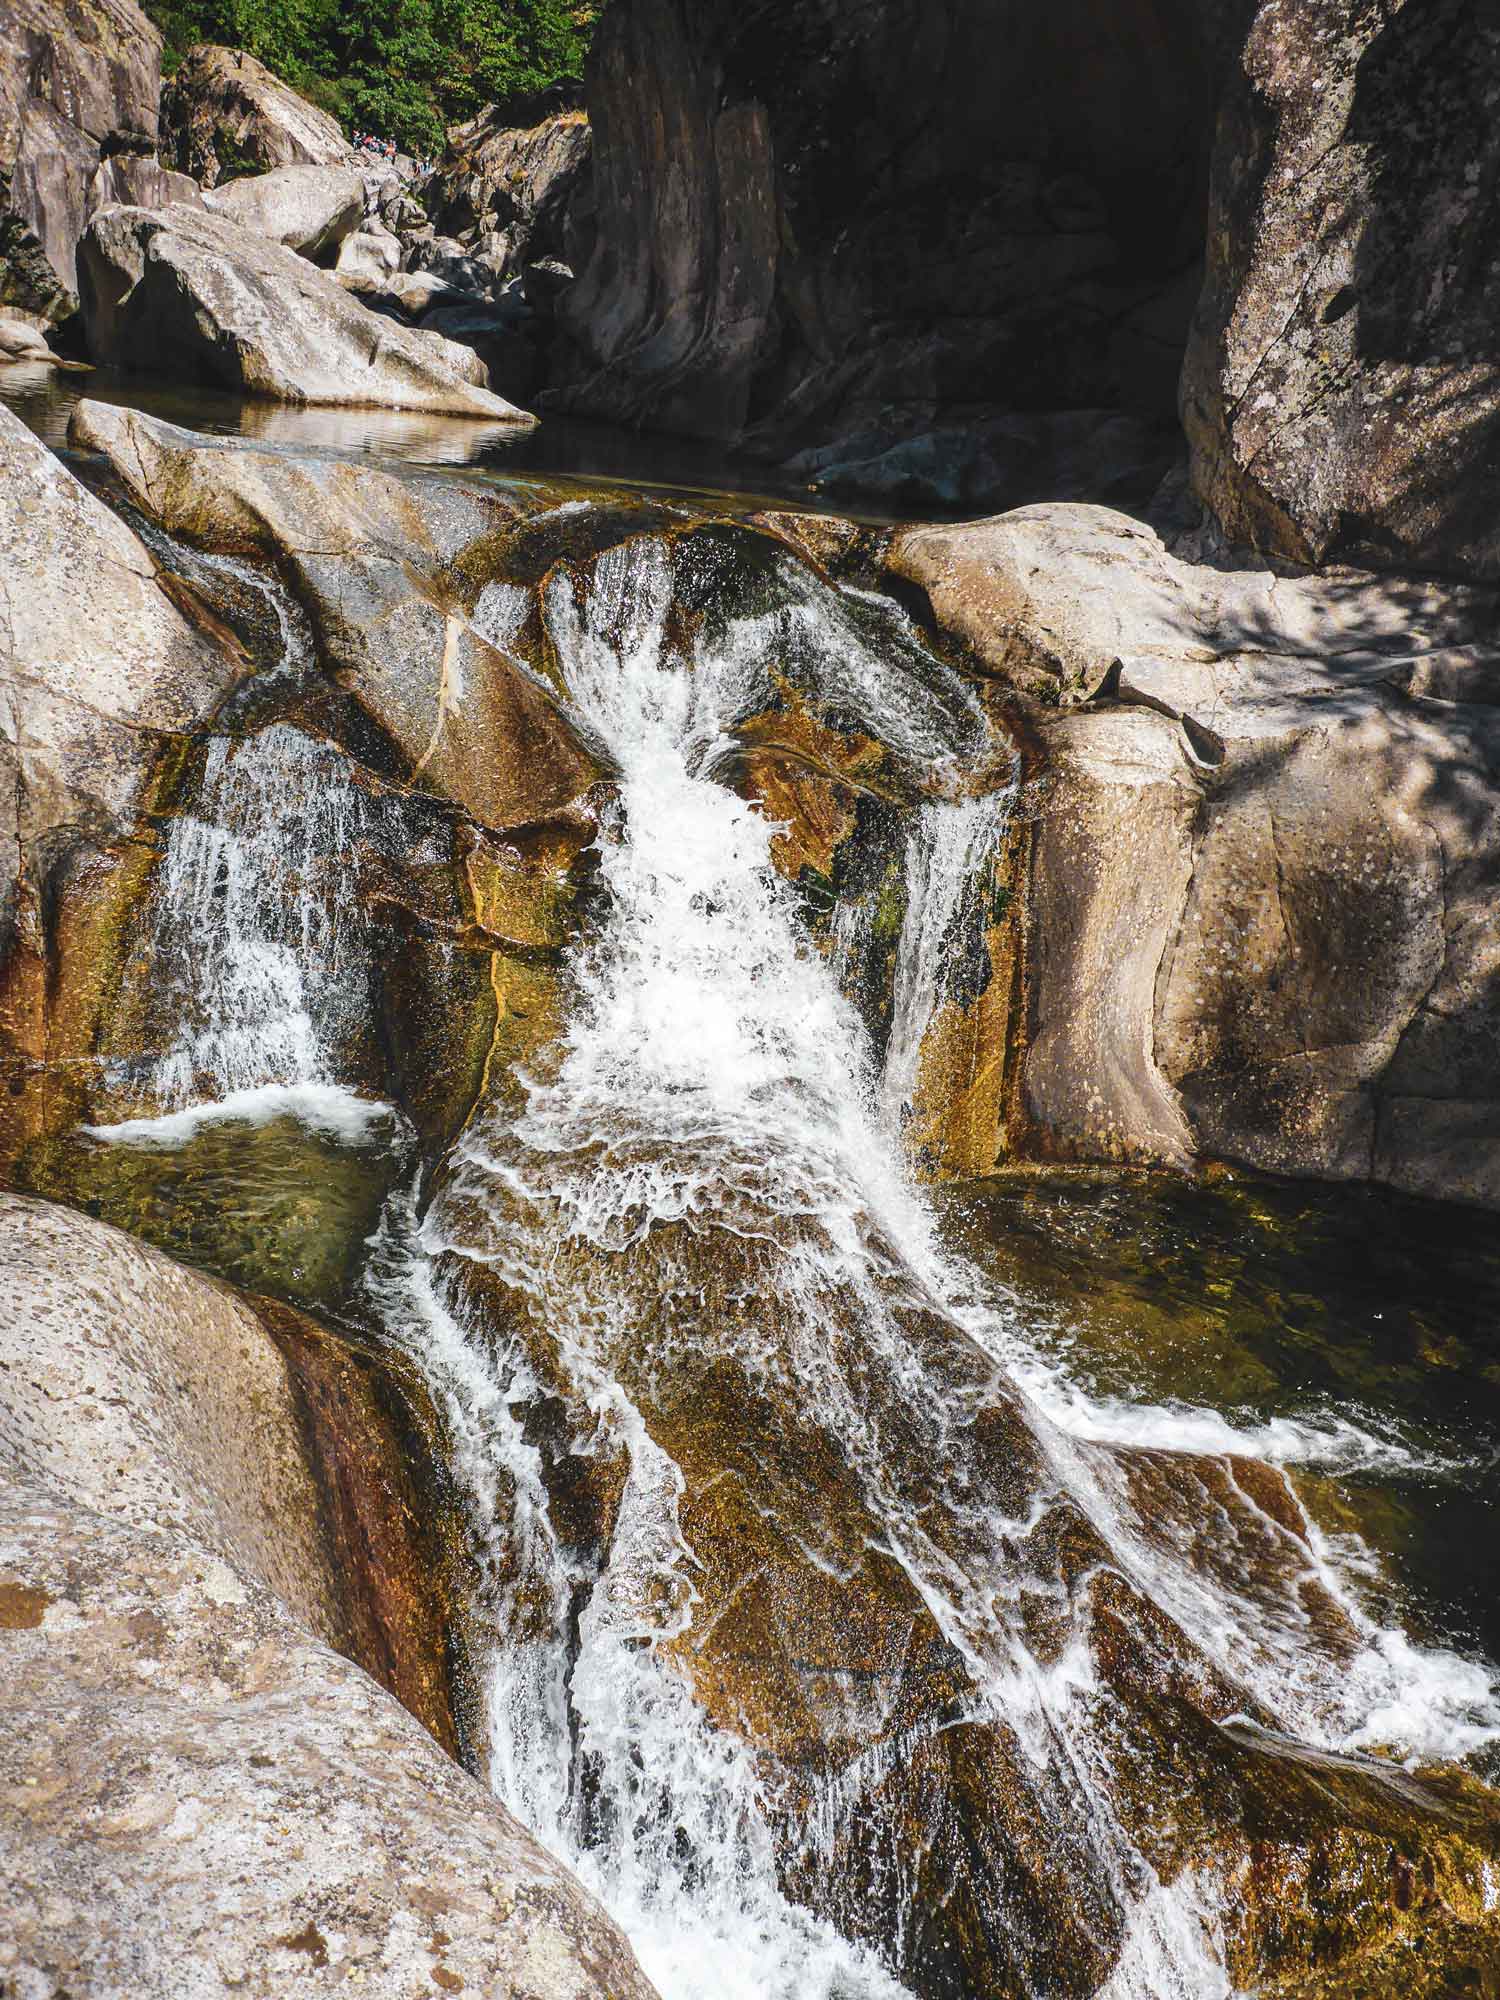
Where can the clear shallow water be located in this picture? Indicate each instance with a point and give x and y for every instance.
(699, 1203)
(598, 456)
(1348, 1331)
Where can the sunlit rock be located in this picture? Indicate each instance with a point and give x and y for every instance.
(198, 297)
(311, 210)
(197, 1524)
(224, 114)
(78, 123)
(1261, 898)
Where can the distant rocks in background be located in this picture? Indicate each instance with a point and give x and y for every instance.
(197, 297)
(517, 195)
(224, 114)
(881, 231)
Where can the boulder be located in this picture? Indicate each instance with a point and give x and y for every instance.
(1341, 390)
(197, 1795)
(223, 113)
(756, 277)
(136, 1389)
(198, 1788)
(78, 122)
(23, 337)
(312, 210)
(390, 567)
(1264, 854)
(443, 258)
(527, 185)
(368, 256)
(197, 297)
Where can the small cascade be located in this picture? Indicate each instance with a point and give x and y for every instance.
(950, 855)
(698, 1246)
(256, 921)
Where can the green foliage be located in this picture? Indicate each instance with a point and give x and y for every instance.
(402, 68)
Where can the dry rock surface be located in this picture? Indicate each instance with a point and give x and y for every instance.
(199, 297)
(309, 209)
(517, 193)
(78, 126)
(95, 661)
(379, 559)
(224, 113)
(1265, 867)
(197, 1792)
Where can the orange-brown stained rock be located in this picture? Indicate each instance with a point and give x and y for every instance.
(814, 1645)
(393, 1544)
(22, 1606)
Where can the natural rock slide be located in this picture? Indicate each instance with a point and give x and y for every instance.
(368, 879)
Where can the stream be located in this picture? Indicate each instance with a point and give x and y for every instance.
(800, 1488)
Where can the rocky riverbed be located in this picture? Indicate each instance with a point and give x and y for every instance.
(689, 1179)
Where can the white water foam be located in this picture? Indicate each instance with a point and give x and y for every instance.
(714, 1076)
(257, 918)
(714, 1081)
(326, 1108)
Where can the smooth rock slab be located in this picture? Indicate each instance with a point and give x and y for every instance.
(379, 558)
(1265, 848)
(196, 1796)
(93, 654)
(308, 209)
(194, 296)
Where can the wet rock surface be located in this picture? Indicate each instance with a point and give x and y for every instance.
(541, 780)
(392, 570)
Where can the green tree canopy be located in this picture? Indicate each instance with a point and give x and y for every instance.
(402, 68)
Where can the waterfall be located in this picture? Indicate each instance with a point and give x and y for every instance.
(686, 1277)
(949, 854)
(256, 919)
(705, 1186)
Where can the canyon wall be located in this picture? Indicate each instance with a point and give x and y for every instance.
(834, 221)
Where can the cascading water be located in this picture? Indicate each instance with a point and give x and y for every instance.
(689, 1263)
(947, 861)
(256, 916)
(705, 1183)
